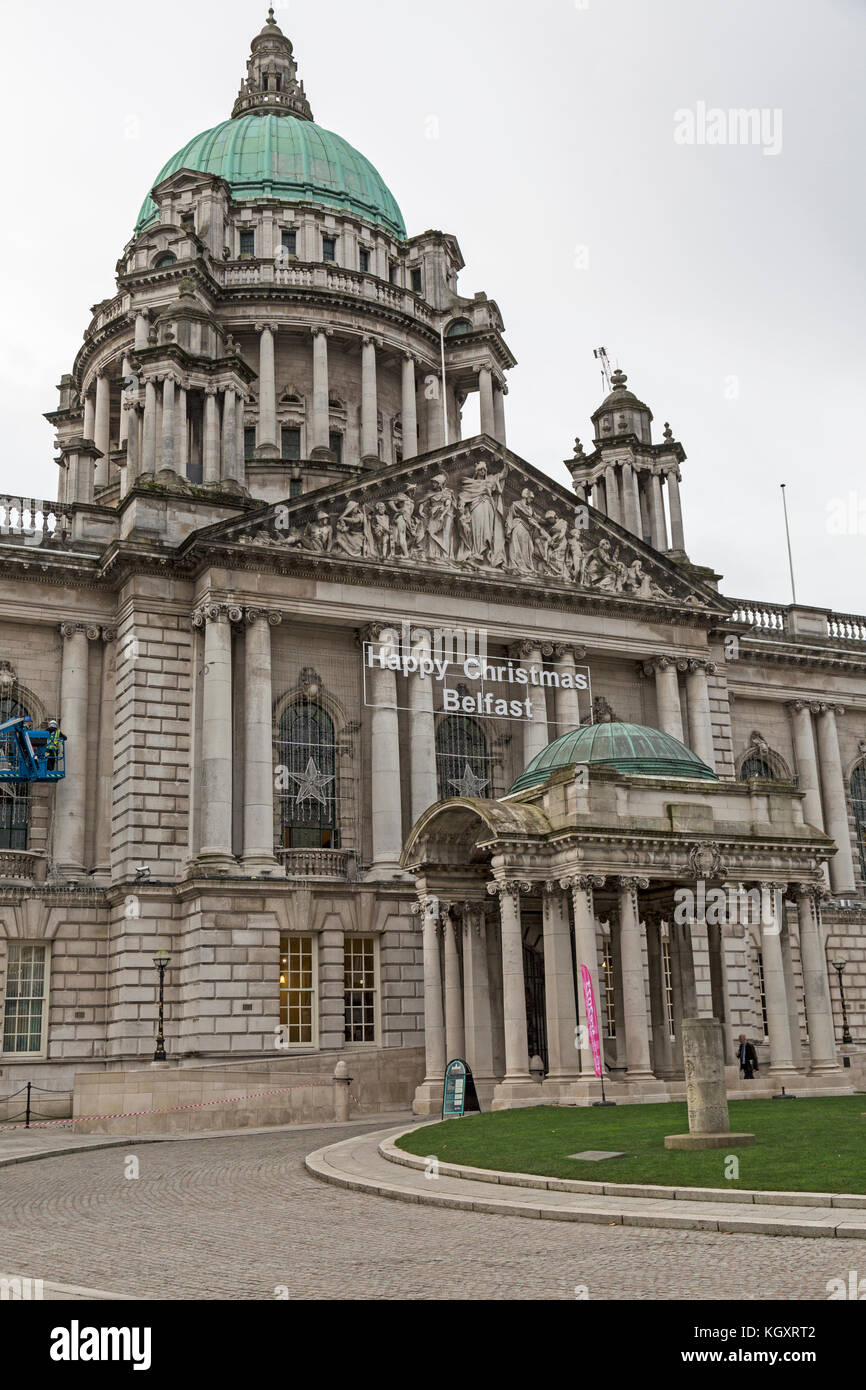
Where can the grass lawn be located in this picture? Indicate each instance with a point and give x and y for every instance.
(804, 1145)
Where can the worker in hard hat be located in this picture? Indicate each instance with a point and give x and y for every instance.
(52, 746)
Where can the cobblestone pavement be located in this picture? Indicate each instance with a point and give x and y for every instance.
(236, 1218)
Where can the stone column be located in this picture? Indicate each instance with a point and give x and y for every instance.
(678, 541)
(559, 1001)
(386, 818)
(485, 388)
(634, 998)
(807, 760)
(535, 731)
(816, 986)
(700, 721)
(148, 443)
(142, 328)
(478, 1018)
(599, 498)
(499, 394)
(89, 428)
(455, 1037)
(434, 1014)
(216, 740)
(611, 493)
(369, 403)
(125, 374)
(71, 791)
(669, 711)
(409, 408)
(435, 422)
(659, 530)
(132, 410)
(586, 953)
(321, 433)
(105, 758)
(181, 434)
(166, 459)
(513, 986)
(422, 737)
(567, 701)
(267, 446)
(835, 799)
(240, 446)
(102, 426)
(631, 500)
(775, 994)
(211, 450)
(258, 853)
(229, 436)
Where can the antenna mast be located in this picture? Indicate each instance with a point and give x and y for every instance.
(600, 354)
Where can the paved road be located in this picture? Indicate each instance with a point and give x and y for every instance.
(237, 1218)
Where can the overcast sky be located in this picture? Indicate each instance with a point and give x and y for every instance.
(726, 279)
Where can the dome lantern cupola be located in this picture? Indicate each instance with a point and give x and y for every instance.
(622, 413)
(271, 84)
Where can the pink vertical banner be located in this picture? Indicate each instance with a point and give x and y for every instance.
(591, 1019)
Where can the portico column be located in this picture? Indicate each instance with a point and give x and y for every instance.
(478, 1019)
(422, 737)
(807, 760)
(499, 394)
(101, 426)
(535, 733)
(230, 436)
(678, 541)
(634, 999)
(321, 435)
(409, 408)
(659, 529)
(566, 699)
(455, 1036)
(559, 1001)
(816, 986)
(71, 791)
(211, 461)
(125, 374)
(258, 852)
(586, 952)
(369, 403)
(434, 1015)
(513, 986)
(216, 739)
(181, 433)
(485, 389)
(631, 500)
(148, 443)
(668, 709)
(267, 446)
(835, 801)
(386, 818)
(167, 442)
(775, 993)
(700, 722)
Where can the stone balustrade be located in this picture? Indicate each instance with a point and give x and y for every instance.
(30, 519)
(19, 866)
(314, 275)
(317, 863)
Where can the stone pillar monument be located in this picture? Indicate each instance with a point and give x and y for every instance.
(704, 1064)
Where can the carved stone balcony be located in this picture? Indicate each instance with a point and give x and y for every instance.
(19, 868)
(29, 520)
(314, 275)
(334, 864)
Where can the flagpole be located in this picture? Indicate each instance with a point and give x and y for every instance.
(444, 402)
(788, 537)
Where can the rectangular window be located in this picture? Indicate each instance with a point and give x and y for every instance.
(417, 281)
(290, 243)
(668, 986)
(329, 248)
(359, 978)
(335, 444)
(763, 995)
(249, 442)
(24, 1010)
(296, 487)
(248, 243)
(607, 990)
(364, 261)
(291, 437)
(297, 990)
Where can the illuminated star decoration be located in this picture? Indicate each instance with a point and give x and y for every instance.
(311, 785)
(468, 784)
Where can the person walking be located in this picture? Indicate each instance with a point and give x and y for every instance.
(747, 1058)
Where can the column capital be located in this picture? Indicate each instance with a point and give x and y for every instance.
(321, 329)
(583, 883)
(217, 613)
(798, 705)
(509, 887)
(701, 664)
(68, 630)
(829, 708)
(265, 327)
(653, 664)
(561, 649)
(630, 883)
(260, 615)
(109, 634)
(815, 893)
(770, 886)
(524, 648)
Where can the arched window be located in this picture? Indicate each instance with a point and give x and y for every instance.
(458, 328)
(760, 760)
(755, 765)
(14, 796)
(308, 801)
(164, 258)
(858, 797)
(462, 759)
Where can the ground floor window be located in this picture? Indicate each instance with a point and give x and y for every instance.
(297, 990)
(359, 983)
(763, 995)
(24, 1015)
(668, 986)
(608, 991)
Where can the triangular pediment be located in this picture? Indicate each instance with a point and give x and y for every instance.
(473, 511)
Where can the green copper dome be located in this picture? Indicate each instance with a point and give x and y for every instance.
(263, 155)
(627, 747)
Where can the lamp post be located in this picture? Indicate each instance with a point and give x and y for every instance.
(161, 960)
(839, 965)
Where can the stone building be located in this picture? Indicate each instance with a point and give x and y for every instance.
(329, 673)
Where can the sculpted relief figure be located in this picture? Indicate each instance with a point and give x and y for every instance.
(557, 543)
(604, 570)
(352, 531)
(521, 530)
(640, 584)
(437, 511)
(378, 531)
(482, 540)
(406, 528)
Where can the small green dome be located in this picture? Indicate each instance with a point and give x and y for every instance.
(270, 156)
(629, 748)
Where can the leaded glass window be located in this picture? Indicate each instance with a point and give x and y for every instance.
(463, 763)
(756, 766)
(308, 796)
(359, 980)
(297, 990)
(24, 1005)
(14, 796)
(858, 796)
